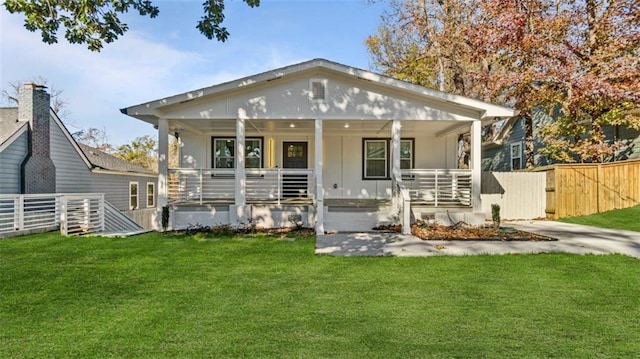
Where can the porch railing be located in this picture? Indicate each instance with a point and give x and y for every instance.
(438, 187)
(269, 185)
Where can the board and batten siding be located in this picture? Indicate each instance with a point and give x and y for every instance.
(520, 195)
(342, 155)
(10, 161)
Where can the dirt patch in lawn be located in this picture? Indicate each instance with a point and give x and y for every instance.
(464, 232)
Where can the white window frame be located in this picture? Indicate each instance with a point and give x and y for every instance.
(365, 159)
(411, 151)
(153, 194)
(511, 157)
(214, 160)
(131, 195)
(324, 83)
(387, 157)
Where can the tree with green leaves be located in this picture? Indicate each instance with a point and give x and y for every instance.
(96, 22)
(142, 151)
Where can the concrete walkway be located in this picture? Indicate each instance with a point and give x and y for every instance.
(572, 238)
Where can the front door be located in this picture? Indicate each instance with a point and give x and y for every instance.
(294, 155)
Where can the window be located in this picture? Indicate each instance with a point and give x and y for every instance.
(133, 195)
(224, 152)
(377, 154)
(516, 156)
(151, 191)
(375, 158)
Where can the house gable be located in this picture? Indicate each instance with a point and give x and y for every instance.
(291, 99)
(286, 93)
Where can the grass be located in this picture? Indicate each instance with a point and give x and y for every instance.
(177, 296)
(627, 218)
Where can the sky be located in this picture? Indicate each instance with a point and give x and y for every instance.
(167, 55)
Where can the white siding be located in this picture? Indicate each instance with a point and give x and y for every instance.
(72, 173)
(342, 158)
(10, 160)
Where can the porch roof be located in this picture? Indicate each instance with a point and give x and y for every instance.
(468, 107)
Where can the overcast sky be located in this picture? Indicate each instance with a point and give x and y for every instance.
(167, 55)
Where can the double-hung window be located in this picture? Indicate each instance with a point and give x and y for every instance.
(151, 192)
(516, 156)
(224, 152)
(133, 195)
(377, 157)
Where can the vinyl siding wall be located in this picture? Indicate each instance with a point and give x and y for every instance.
(10, 160)
(499, 158)
(73, 175)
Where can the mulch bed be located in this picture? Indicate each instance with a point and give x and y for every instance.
(463, 232)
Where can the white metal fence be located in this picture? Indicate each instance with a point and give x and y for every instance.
(438, 187)
(73, 213)
(273, 185)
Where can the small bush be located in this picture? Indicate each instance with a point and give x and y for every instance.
(495, 214)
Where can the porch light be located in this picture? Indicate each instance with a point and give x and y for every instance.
(292, 125)
(346, 125)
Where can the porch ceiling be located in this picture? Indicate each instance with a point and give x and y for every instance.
(306, 126)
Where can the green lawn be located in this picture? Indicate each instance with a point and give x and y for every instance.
(628, 218)
(176, 296)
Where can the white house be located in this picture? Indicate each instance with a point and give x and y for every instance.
(332, 146)
(39, 155)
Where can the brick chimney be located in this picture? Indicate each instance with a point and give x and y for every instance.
(38, 170)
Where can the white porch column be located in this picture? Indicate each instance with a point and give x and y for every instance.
(163, 170)
(319, 185)
(240, 171)
(476, 165)
(395, 149)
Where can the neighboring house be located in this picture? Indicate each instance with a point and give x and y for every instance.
(33, 133)
(318, 143)
(505, 150)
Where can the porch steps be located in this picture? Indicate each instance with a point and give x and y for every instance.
(356, 217)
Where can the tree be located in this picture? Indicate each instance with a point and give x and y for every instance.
(58, 102)
(576, 58)
(94, 137)
(142, 151)
(96, 22)
(424, 42)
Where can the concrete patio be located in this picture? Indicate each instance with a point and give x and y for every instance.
(572, 238)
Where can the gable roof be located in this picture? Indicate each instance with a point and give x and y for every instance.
(146, 111)
(10, 127)
(103, 160)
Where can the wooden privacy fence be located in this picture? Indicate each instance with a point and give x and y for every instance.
(582, 189)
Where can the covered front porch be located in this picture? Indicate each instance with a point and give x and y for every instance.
(307, 170)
